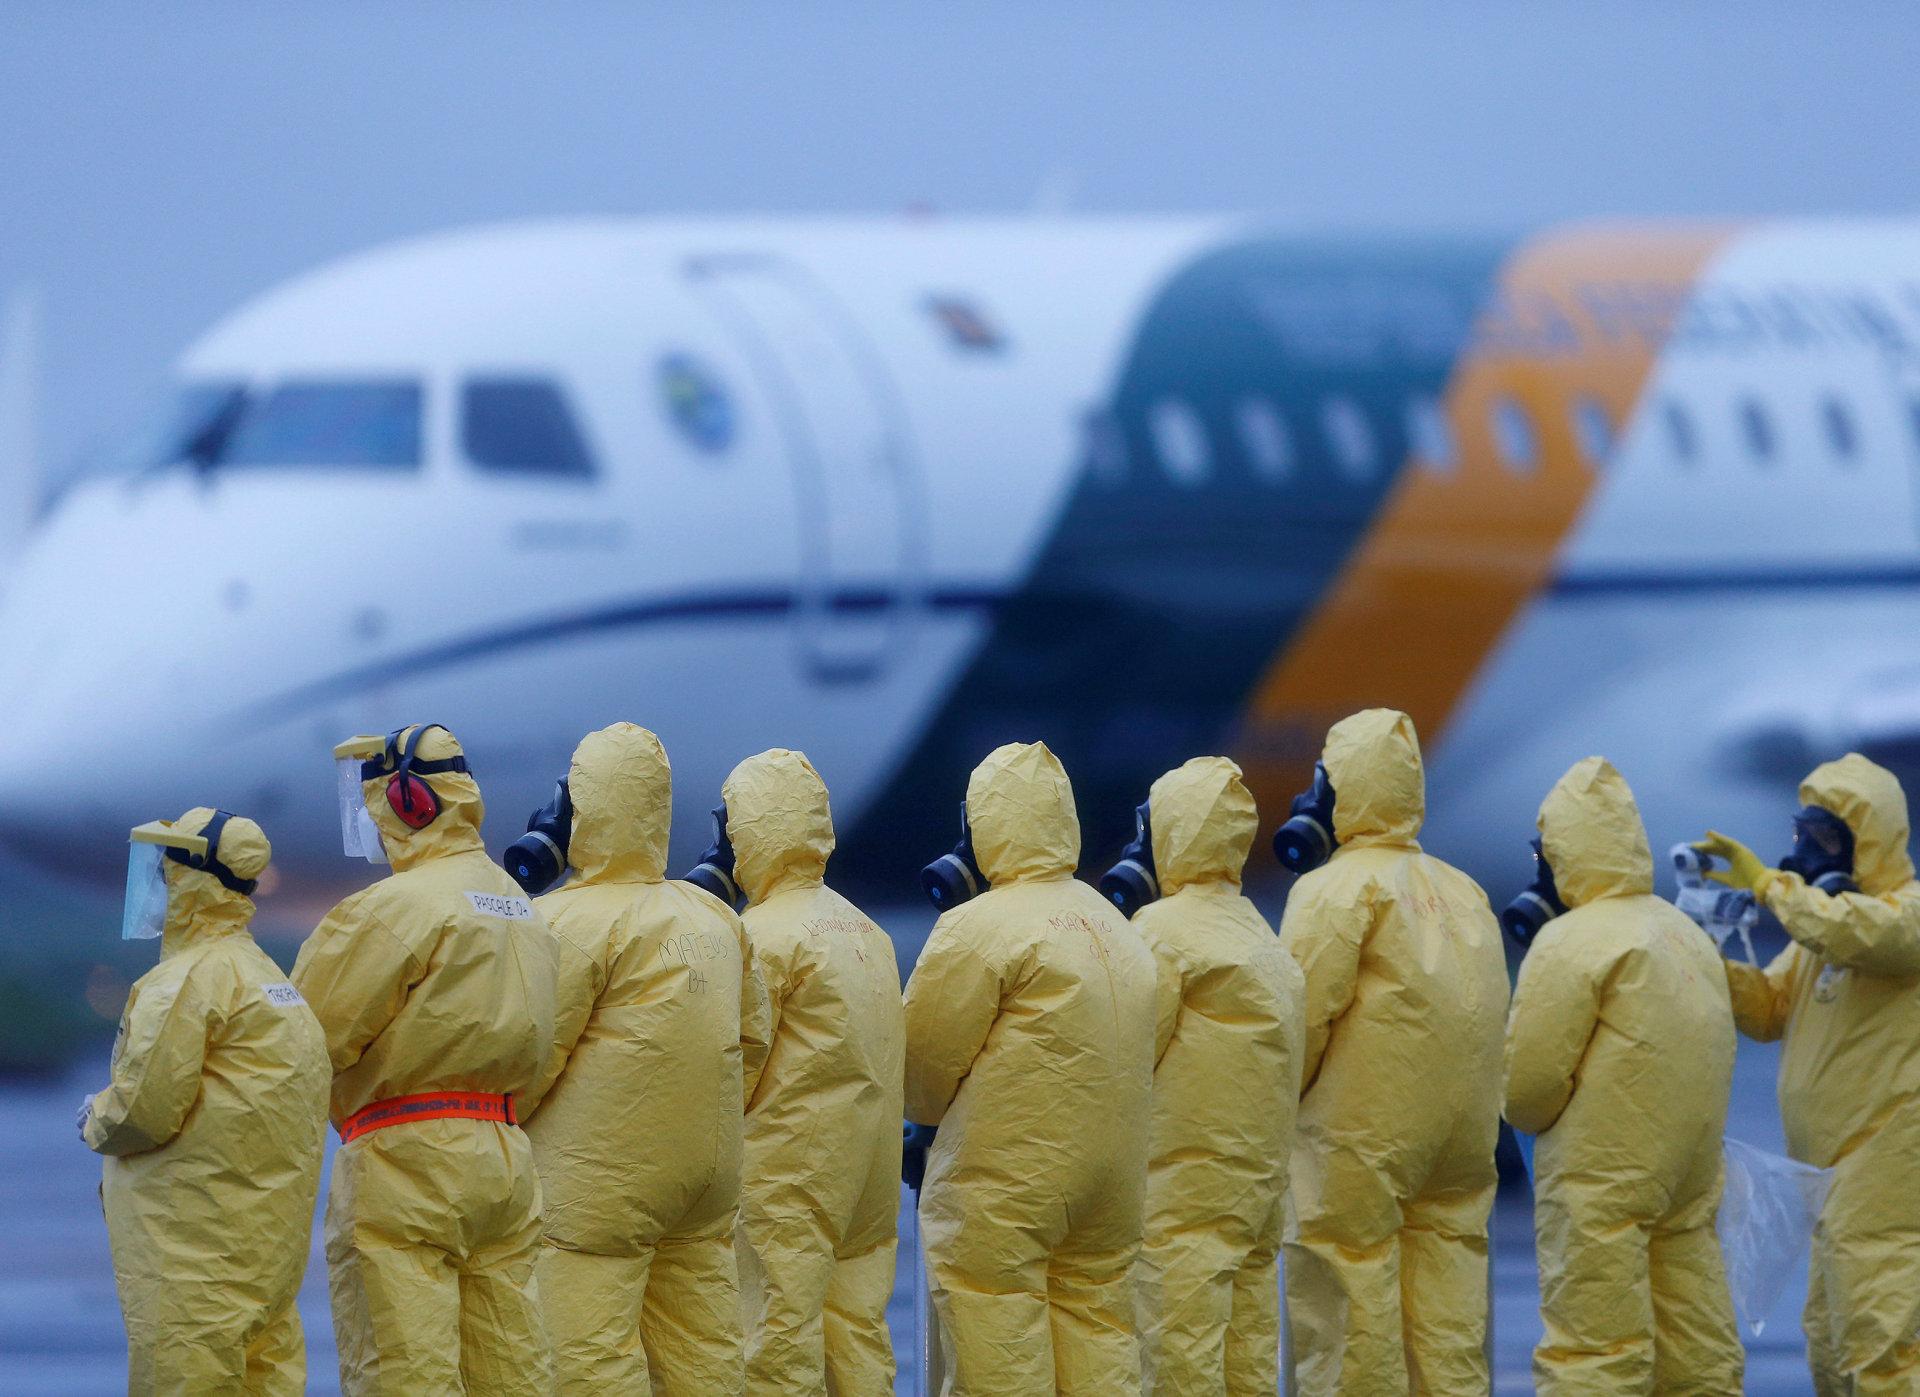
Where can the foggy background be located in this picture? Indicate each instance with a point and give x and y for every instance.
(160, 164)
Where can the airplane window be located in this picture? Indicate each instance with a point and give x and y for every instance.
(1757, 428)
(1680, 433)
(1594, 430)
(342, 422)
(1842, 435)
(1431, 434)
(1513, 432)
(1349, 437)
(1180, 441)
(1264, 439)
(522, 426)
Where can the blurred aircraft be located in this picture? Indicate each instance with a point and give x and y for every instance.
(896, 491)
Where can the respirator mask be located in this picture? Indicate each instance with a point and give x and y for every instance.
(1132, 883)
(1306, 840)
(714, 872)
(1537, 904)
(1822, 851)
(538, 859)
(954, 878)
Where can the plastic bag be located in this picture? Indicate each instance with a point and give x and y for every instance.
(1767, 1212)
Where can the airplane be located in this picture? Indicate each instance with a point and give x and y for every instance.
(894, 491)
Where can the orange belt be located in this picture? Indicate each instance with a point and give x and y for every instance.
(428, 1106)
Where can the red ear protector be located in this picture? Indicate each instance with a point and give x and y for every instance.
(412, 799)
(209, 862)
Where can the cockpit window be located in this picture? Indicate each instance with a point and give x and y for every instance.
(187, 426)
(521, 425)
(339, 422)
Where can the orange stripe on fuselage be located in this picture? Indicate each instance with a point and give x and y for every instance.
(1455, 554)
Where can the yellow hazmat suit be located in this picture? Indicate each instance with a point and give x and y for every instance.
(1030, 1044)
(1846, 994)
(1620, 1057)
(213, 1127)
(439, 979)
(1393, 1175)
(1226, 1082)
(638, 1139)
(823, 1129)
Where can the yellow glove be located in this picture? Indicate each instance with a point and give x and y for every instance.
(1744, 869)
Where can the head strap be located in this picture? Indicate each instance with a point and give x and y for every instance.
(209, 862)
(399, 758)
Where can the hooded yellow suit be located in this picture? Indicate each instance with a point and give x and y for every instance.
(1620, 1057)
(1226, 1083)
(438, 978)
(213, 1127)
(639, 1136)
(823, 1129)
(1846, 994)
(1393, 1173)
(1030, 1044)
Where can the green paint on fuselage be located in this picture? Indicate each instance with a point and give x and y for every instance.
(1159, 599)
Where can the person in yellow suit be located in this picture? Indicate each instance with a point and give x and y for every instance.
(823, 1128)
(1030, 1045)
(1392, 1173)
(213, 1126)
(638, 1135)
(1228, 1042)
(436, 987)
(1846, 996)
(1619, 1057)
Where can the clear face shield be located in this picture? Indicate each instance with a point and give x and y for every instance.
(143, 916)
(359, 836)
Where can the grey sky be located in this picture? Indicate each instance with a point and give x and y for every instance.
(158, 164)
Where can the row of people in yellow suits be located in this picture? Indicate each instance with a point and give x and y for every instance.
(550, 1108)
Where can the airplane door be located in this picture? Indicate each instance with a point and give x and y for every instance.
(845, 437)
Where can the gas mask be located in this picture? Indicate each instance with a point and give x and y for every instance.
(538, 859)
(1306, 840)
(954, 878)
(1822, 851)
(1132, 883)
(714, 872)
(1537, 904)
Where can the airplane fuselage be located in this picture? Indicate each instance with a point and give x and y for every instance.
(898, 492)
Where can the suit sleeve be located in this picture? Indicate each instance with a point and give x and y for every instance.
(156, 1067)
(952, 1000)
(355, 973)
(1556, 1007)
(1325, 929)
(776, 962)
(1873, 935)
(1761, 998)
(579, 978)
(1169, 991)
(756, 1017)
